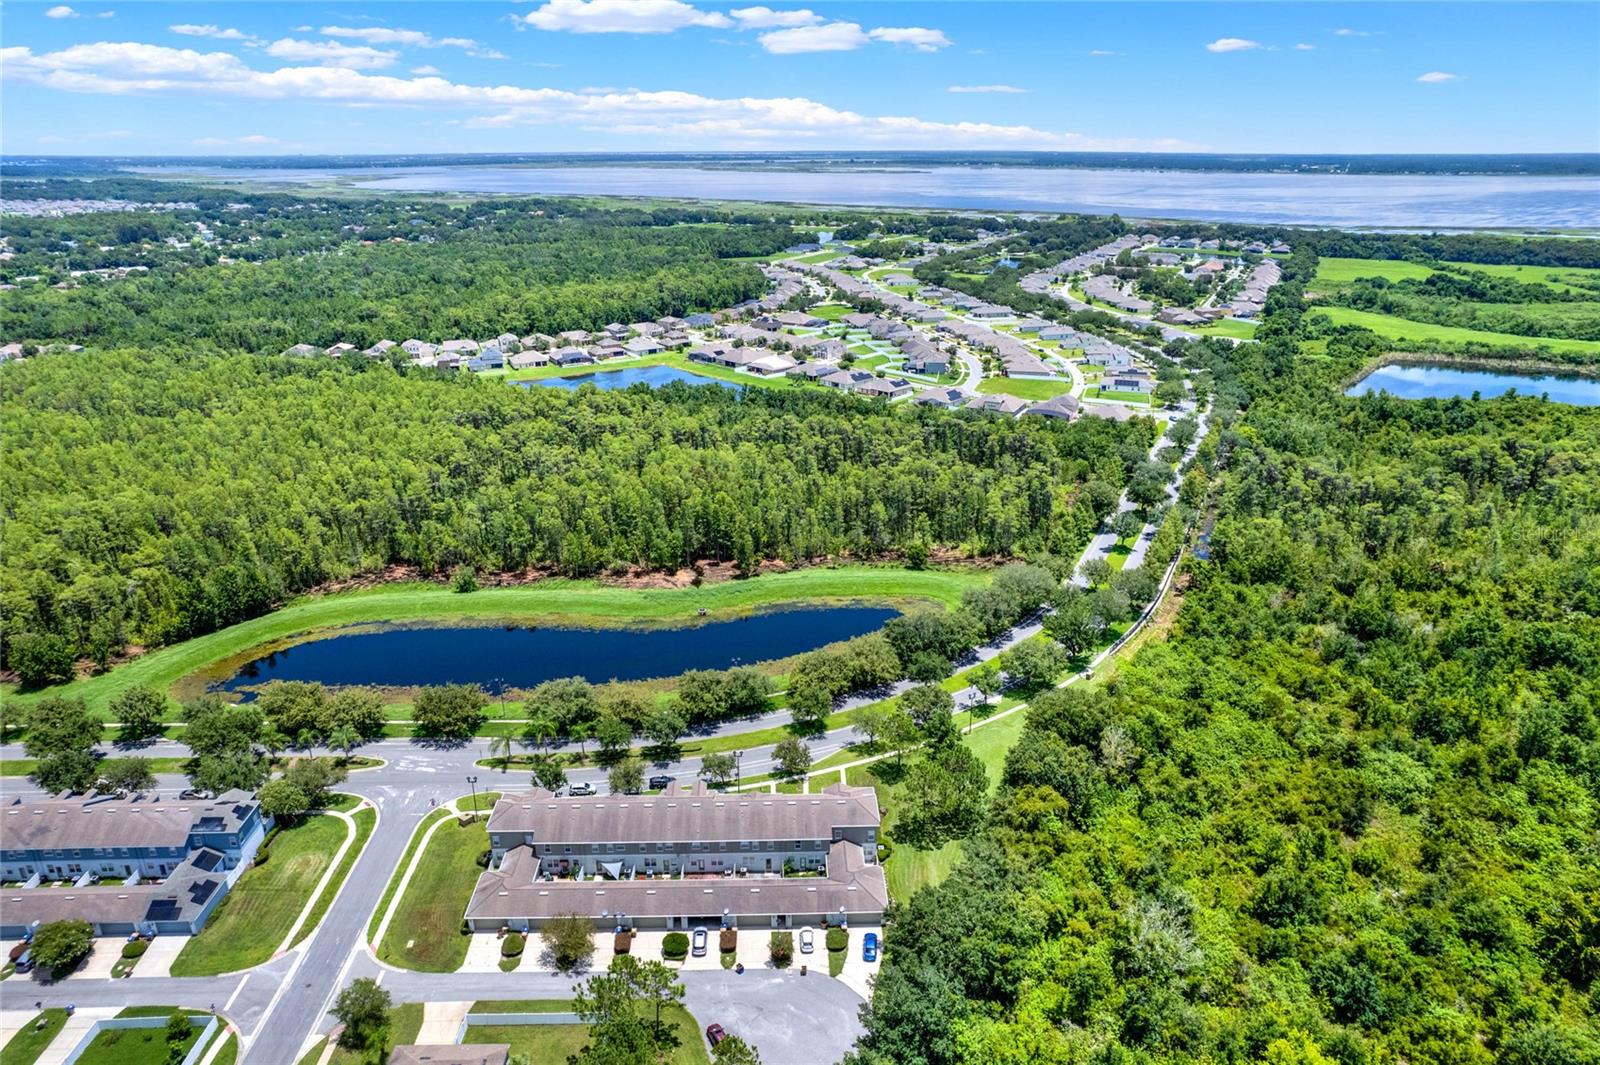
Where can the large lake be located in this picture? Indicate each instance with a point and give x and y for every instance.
(1431, 381)
(1347, 200)
(609, 380)
(516, 657)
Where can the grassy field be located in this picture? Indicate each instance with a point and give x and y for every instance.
(1333, 272)
(400, 869)
(1422, 333)
(425, 933)
(1136, 398)
(21, 767)
(247, 926)
(1023, 388)
(132, 1046)
(552, 1044)
(366, 820)
(25, 1047)
(553, 601)
(1226, 327)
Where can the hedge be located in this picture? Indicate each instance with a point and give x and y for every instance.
(511, 946)
(782, 949)
(135, 949)
(838, 939)
(675, 947)
(729, 940)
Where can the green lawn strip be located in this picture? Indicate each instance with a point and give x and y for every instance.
(1023, 388)
(30, 1041)
(21, 767)
(425, 934)
(136, 1046)
(366, 820)
(1096, 392)
(400, 869)
(522, 1005)
(1407, 331)
(552, 601)
(1118, 555)
(1226, 327)
(553, 1044)
(229, 1052)
(247, 926)
(836, 961)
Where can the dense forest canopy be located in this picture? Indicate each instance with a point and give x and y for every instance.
(1347, 811)
(155, 496)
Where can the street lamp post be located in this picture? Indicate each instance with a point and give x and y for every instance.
(472, 781)
(738, 769)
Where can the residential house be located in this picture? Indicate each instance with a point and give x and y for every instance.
(617, 330)
(508, 343)
(529, 360)
(699, 321)
(948, 398)
(303, 350)
(800, 320)
(992, 310)
(133, 865)
(418, 349)
(995, 403)
(340, 350)
(1064, 407)
(772, 364)
(379, 350)
(572, 357)
(459, 347)
(885, 388)
(643, 346)
(683, 860)
(847, 380)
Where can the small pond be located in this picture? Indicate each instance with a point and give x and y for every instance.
(607, 380)
(1432, 381)
(521, 657)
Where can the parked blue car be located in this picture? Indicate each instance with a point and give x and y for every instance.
(869, 947)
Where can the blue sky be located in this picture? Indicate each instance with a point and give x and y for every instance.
(609, 75)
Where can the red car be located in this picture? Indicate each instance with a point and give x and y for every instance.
(715, 1034)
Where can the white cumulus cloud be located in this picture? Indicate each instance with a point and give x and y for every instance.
(1437, 77)
(830, 37)
(332, 54)
(985, 88)
(665, 117)
(190, 29)
(1347, 32)
(923, 40)
(61, 11)
(1232, 44)
(621, 16)
(764, 18)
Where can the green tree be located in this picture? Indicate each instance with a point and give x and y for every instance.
(60, 945)
(612, 734)
(791, 758)
(67, 771)
(449, 711)
(499, 746)
(60, 726)
(1034, 664)
(944, 797)
(363, 1009)
(360, 709)
(664, 728)
(295, 707)
(127, 774)
(344, 739)
(282, 799)
(626, 777)
(139, 712)
(569, 702)
(315, 777)
(718, 767)
(569, 940)
(547, 772)
(41, 658)
(986, 678)
(735, 1051)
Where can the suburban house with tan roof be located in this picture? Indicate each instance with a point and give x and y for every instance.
(679, 860)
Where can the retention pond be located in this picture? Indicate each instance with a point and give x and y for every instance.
(515, 656)
(1432, 381)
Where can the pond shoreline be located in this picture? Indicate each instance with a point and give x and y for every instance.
(1511, 371)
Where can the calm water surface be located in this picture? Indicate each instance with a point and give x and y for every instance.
(517, 657)
(1428, 381)
(608, 380)
(1421, 200)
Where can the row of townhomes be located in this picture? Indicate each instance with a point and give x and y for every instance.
(683, 859)
(133, 864)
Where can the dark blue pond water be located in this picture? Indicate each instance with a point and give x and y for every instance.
(1445, 382)
(517, 657)
(607, 380)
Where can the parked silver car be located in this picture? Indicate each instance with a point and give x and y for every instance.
(698, 943)
(808, 940)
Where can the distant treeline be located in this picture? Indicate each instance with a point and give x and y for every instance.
(154, 496)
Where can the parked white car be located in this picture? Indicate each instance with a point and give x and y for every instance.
(808, 940)
(698, 947)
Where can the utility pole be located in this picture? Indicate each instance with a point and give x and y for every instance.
(472, 781)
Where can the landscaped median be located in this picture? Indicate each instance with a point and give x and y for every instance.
(250, 924)
(424, 930)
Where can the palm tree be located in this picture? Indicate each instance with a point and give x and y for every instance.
(344, 738)
(274, 741)
(500, 747)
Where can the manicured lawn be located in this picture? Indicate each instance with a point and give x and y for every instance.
(425, 933)
(1138, 398)
(247, 926)
(552, 1044)
(366, 820)
(131, 1046)
(1421, 333)
(570, 601)
(21, 767)
(522, 1005)
(831, 311)
(400, 869)
(1226, 327)
(25, 1047)
(1023, 388)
